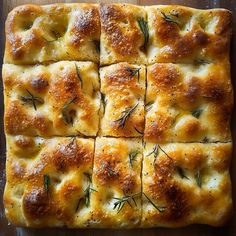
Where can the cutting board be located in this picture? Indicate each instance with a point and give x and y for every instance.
(194, 230)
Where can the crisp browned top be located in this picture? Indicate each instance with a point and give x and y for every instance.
(121, 37)
(123, 88)
(51, 33)
(187, 103)
(64, 105)
(188, 183)
(28, 199)
(181, 34)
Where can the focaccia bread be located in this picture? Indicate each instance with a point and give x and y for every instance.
(122, 106)
(122, 34)
(116, 179)
(186, 183)
(186, 103)
(183, 34)
(52, 33)
(48, 180)
(58, 99)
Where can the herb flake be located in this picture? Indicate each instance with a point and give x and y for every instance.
(78, 75)
(32, 98)
(132, 157)
(143, 25)
(68, 118)
(160, 209)
(46, 182)
(154, 152)
(119, 204)
(133, 71)
(148, 106)
(181, 172)
(125, 115)
(169, 18)
(196, 113)
(198, 178)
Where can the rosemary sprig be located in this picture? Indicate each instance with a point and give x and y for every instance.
(148, 106)
(181, 173)
(87, 195)
(179, 170)
(78, 75)
(78, 205)
(32, 98)
(97, 45)
(205, 140)
(165, 153)
(46, 182)
(103, 100)
(169, 18)
(133, 71)
(160, 209)
(86, 198)
(119, 204)
(88, 175)
(155, 153)
(143, 25)
(198, 178)
(66, 113)
(201, 61)
(125, 115)
(196, 113)
(138, 131)
(132, 157)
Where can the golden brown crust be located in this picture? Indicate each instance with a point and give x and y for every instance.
(52, 33)
(188, 183)
(115, 175)
(172, 171)
(182, 34)
(186, 103)
(63, 161)
(121, 37)
(56, 86)
(122, 88)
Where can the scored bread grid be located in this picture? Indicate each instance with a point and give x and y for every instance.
(168, 19)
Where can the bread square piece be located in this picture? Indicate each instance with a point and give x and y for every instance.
(123, 34)
(185, 184)
(56, 32)
(186, 103)
(182, 34)
(48, 181)
(117, 181)
(58, 99)
(122, 107)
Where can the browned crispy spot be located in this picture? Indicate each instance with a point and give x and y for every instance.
(123, 43)
(87, 24)
(69, 155)
(36, 203)
(39, 83)
(165, 77)
(16, 120)
(24, 141)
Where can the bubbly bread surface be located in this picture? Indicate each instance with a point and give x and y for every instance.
(47, 181)
(117, 116)
(54, 32)
(182, 34)
(122, 106)
(121, 36)
(187, 103)
(59, 99)
(184, 184)
(117, 179)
